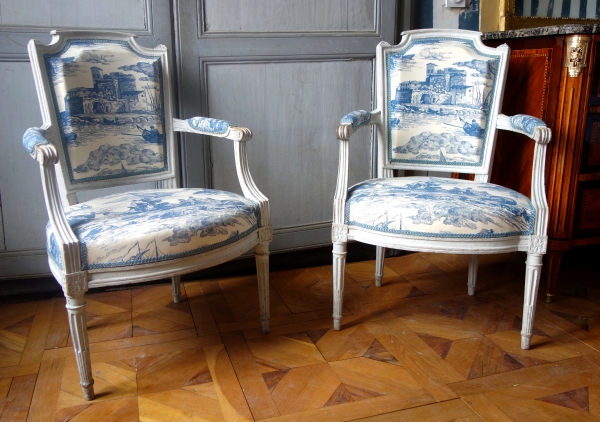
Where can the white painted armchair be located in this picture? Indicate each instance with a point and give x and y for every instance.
(439, 94)
(106, 105)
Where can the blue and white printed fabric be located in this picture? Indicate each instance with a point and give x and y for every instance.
(439, 207)
(147, 226)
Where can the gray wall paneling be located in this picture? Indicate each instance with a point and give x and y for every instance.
(290, 77)
(23, 213)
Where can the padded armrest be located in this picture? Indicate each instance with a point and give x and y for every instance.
(33, 137)
(213, 127)
(520, 123)
(355, 120)
(208, 126)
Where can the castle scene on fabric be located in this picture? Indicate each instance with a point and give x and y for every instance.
(108, 101)
(440, 93)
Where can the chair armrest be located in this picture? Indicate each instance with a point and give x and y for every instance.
(213, 127)
(529, 126)
(351, 122)
(45, 153)
(537, 130)
(33, 137)
(225, 129)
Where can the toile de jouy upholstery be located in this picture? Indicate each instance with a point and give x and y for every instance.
(438, 207)
(107, 110)
(121, 230)
(439, 94)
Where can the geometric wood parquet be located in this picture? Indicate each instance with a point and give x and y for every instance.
(417, 348)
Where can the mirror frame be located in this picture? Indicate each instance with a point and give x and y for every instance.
(499, 15)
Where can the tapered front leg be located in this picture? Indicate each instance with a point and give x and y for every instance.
(379, 261)
(261, 254)
(339, 266)
(532, 281)
(176, 284)
(78, 326)
(473, 266)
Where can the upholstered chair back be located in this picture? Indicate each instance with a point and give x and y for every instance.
(108, 111)
(439, 98)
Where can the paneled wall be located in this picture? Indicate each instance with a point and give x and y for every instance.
(22, 213)
(289, 70)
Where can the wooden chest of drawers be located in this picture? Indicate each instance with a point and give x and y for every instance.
(540, 84)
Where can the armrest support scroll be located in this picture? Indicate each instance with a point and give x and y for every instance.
(45, 153)
(537, 130)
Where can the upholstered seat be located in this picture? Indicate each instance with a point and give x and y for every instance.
(461, 208)
(193, 221)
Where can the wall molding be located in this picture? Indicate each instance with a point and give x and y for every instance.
(204, 33)
(36, 29)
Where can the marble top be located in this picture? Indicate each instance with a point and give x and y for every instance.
(543, 30)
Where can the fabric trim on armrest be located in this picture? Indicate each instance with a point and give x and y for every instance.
(32, 137)
(356, 119)
(208, 125)
(526, 123)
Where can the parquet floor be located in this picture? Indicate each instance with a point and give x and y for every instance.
(416, 349)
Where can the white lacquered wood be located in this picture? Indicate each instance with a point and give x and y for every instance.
(78, 326)
(176, 287)
(532, 281)
(339, 265)
(379, 262)
(472, 282)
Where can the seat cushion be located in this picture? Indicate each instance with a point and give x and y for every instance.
(439, 207)
(147, 226)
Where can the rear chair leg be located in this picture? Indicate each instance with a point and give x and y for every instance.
(379, 260)
(339, 266)
(176, 284)
(473, 266)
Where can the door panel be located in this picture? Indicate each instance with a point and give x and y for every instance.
(288, 16)
(288, 70)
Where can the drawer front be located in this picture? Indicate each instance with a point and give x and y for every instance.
(590, 158)
(587, 215)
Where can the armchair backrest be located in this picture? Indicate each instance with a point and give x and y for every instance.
(440, 92)
(106, 106)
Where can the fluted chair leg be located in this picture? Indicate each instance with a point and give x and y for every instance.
(339, 266)
(261, 254)
(176, 284)
(532, 281)
(78, 325)
(379, 261)
(473, 266)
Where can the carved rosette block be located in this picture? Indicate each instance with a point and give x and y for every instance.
(577, 53)
(265, 234)
(538, 244)
(76, 283)
(339, 233)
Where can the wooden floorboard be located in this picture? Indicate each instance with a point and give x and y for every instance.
(416, 348)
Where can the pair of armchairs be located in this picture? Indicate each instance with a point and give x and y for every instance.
(106, 105)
